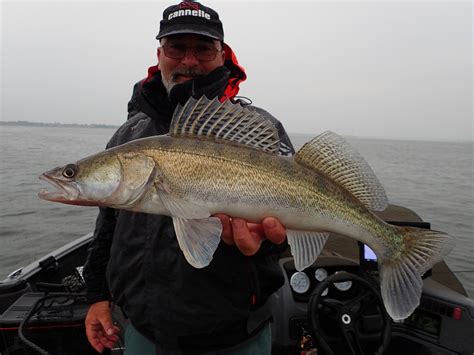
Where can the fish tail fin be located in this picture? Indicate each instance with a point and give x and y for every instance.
(400, 276)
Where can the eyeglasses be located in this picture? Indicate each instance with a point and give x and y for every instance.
(202, 52)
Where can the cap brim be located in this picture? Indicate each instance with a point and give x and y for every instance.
(199, 30)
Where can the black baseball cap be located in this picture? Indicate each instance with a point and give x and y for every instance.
(191, 17)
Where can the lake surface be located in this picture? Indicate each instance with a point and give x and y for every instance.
(435, 179)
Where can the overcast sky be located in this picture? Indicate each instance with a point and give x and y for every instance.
(388, 69)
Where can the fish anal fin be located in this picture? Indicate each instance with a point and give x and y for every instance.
(198, 239)
(333, 156)
(305, 246)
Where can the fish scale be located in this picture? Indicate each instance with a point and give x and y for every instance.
(202, 172)
(229, 163)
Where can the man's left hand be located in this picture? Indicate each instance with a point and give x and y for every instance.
(249, 236)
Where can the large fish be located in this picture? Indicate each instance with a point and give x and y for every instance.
(223, 158)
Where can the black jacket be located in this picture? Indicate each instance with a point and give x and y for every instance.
(135, 258)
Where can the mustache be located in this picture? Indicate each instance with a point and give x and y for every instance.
(187, 72)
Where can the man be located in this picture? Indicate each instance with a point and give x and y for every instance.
(134, 259)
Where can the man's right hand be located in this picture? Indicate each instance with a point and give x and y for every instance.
(100, 330)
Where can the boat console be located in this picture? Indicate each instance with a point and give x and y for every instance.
(335, 306)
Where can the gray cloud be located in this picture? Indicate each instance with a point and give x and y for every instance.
(375, 69)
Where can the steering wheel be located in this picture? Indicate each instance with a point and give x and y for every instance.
(357, 323)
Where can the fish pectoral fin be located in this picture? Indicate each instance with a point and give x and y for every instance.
(181, 208)
(305, 246)
(198, 239)
(161, 184)
(400, 279)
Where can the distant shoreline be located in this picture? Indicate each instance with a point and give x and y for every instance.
(94, 125)
(55, 124)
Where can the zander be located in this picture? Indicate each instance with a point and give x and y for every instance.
(223, 158)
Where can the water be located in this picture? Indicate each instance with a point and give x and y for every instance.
(435, 179)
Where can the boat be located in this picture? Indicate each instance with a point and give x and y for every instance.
(332, 307)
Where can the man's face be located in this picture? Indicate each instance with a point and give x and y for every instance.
(200, 55)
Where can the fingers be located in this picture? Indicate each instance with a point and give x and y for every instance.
(105, 319)
(248, 237)
(102, 339)
(274, 231)
(248, 242)
(95, 335)
(235, 232)
(226, 235)
(96, 344)
(256, 228)
(100, 330)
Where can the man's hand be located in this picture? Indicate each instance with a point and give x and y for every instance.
(249, 236)
(100, 330)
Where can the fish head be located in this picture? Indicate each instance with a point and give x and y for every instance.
(92, 181)
(112, 178)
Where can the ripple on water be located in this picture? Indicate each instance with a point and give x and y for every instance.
(17, 214)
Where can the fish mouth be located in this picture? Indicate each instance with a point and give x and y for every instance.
(64, 192)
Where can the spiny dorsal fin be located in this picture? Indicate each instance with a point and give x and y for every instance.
(331, 155)
(211, 119)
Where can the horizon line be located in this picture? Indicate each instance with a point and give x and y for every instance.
(105, 125)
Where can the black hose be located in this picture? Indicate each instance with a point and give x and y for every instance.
(22, 337)
(31, 312)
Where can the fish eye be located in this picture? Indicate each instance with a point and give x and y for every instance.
(70, 171)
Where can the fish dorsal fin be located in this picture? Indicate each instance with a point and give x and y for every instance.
(224, 121)
(331, 155)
